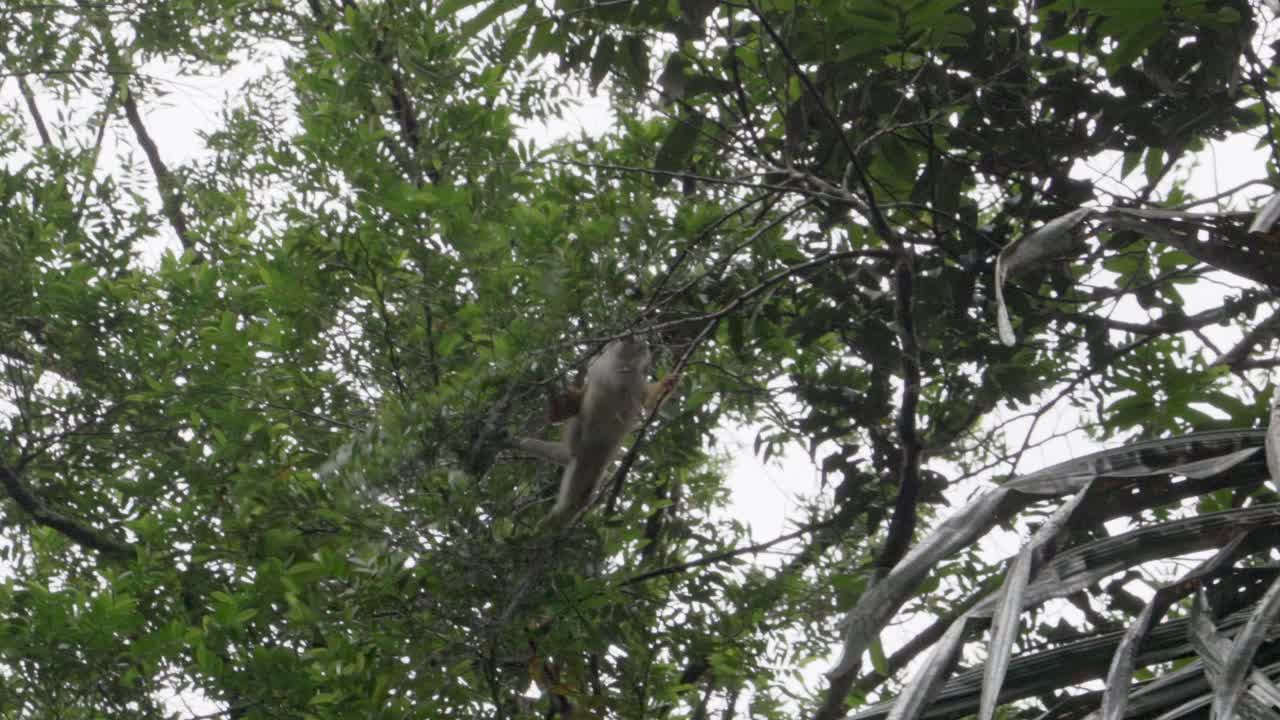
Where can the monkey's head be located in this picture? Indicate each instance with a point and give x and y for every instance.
(629, 355)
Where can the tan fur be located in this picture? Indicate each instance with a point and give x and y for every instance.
(615, 398)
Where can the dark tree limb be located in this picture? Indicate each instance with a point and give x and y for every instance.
(1173, 324)
(902, 525)
(406, 114)
(762, 287)
(1261, 333)
(76, 531)
(167, 184)
(29, 97)
(171, 197)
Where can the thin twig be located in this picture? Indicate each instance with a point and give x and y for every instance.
(725, 554)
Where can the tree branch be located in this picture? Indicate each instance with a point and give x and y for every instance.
(1262, 332)
(725, 554)
(902, 525)
(1172, 324)
(76, 531)
(169, 188)
(878, 221)
(30, 98)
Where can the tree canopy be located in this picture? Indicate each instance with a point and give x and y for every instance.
(257, 388)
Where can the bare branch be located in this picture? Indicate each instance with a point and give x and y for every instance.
(76, 531)
(724, 555)
(30, 98)
(1263, 332)
(168, 186)
(902, 526)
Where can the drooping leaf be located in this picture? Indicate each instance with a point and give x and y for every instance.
(601, 61)
(929, 679)
(1004, 629)
(1237, 665)
(1198, 455)
(1055, 238)
(879, 603)
(1266, 217)
(1115, 696)
(1273, 440)
(635, 61)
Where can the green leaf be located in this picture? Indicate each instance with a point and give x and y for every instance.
(635, 61)
(677, 148)
(449, 8)
(601, 62)
(878, 659)
(1131, 160)
(1153, 163)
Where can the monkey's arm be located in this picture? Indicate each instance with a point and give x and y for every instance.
(564, 405)
(556, 452)
(656, 393)
(561, 452)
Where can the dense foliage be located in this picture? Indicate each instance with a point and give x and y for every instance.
(255, 391)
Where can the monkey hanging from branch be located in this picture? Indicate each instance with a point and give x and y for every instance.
(613, 400)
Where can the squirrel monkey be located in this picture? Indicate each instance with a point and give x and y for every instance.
(616, 395)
